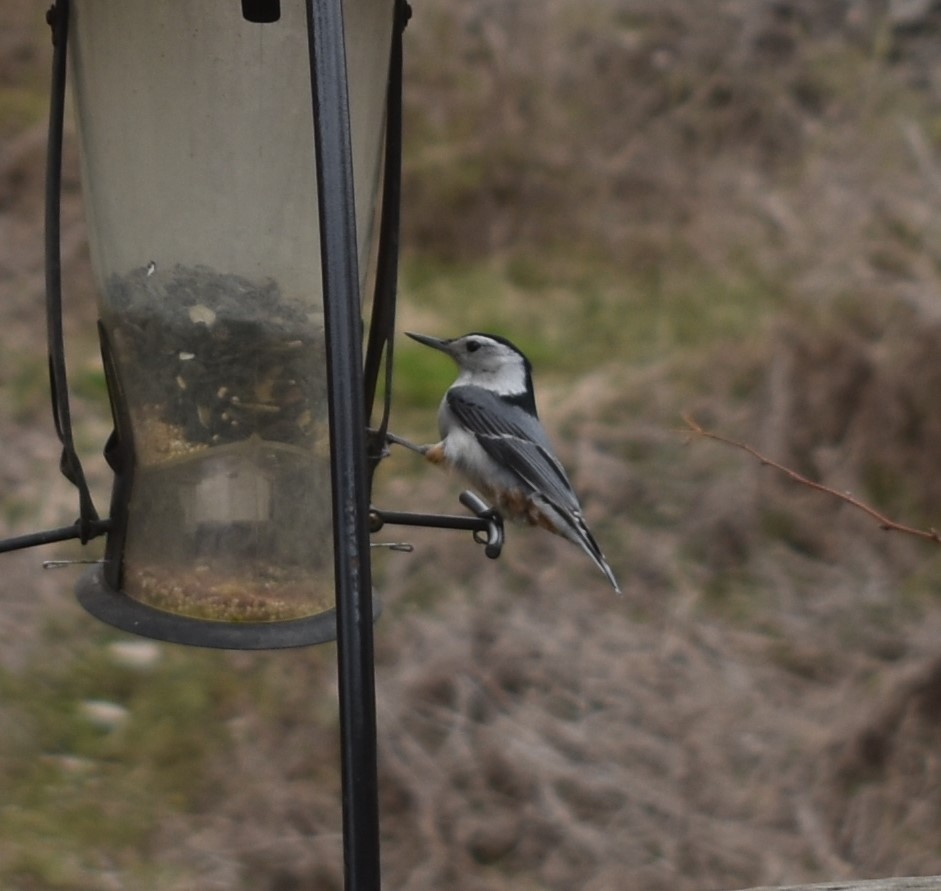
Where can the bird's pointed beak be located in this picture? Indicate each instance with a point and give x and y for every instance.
(433, 342)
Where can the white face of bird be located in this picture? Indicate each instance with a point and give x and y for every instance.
(485, 361)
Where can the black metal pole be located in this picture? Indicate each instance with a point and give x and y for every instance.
(343, 326)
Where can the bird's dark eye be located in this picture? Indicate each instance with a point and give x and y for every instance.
(473, 346)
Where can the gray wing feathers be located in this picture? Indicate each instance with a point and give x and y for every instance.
(515, 440)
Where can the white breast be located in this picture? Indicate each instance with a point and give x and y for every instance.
(465, 454)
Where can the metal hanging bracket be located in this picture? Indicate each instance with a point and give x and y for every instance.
(486, 524)
(88, 525)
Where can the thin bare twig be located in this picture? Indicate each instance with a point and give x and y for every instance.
(886, 523)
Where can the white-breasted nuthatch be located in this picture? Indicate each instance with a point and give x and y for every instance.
(490, 432)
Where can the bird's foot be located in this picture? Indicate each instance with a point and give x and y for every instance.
(398, 440)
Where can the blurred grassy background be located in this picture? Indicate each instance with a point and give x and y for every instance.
(726, 208)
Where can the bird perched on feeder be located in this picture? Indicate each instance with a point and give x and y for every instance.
(490, 432)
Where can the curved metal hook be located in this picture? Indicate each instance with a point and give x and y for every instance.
(492, 536)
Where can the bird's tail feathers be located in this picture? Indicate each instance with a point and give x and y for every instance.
(595, 553)
(582, 536)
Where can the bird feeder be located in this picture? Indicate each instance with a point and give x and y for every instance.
(205, 181)
(231, 158)
(197, 158)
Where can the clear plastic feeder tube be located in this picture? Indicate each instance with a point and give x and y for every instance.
(197, 155)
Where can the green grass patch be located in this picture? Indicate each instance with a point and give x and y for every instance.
(27, 393)
(79, 796)
(20, 108)
(89, 383)
(570, 316)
